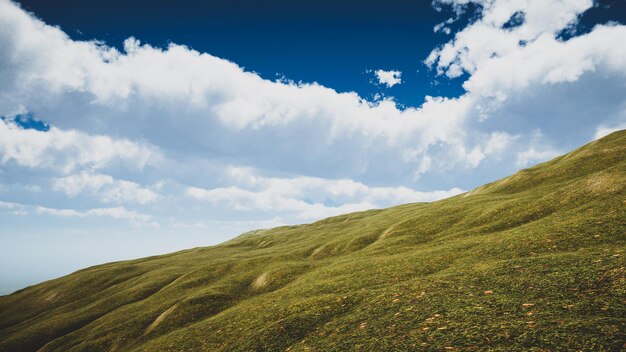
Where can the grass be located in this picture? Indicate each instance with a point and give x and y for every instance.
(534, 262)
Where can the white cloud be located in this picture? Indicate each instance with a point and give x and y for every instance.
(308, 196)
(67, 150)
(489, 145)
(497, 142)
(444, 26)
(12, 208)
(548, 61)
(388, 78)
(494, 145)
(507, 61)
(271, 199)
(9, 205)
(115, 213)
(75, 184)
(120, 213)
(108, 188)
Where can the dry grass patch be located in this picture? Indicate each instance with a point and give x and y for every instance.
(260, 282)
(160, 319)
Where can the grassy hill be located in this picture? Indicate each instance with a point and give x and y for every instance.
(534, 261)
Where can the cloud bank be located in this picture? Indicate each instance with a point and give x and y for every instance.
(170, 136)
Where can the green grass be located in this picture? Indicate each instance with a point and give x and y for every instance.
(531, 262)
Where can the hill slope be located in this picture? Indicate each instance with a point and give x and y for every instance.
(533, 260)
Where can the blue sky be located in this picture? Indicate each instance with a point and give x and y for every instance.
(129, 130)
(330, 42)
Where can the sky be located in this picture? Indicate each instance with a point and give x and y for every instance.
(130, 129)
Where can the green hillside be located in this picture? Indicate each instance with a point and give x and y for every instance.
(534, 261)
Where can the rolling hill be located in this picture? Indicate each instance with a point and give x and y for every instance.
(534, 261)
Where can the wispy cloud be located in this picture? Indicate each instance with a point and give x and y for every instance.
(106, 187)
(115, 213)
(308, 197)
(12, 208)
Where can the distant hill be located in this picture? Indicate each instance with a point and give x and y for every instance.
(534, 261)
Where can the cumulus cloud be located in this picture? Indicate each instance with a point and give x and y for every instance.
(177, 76)
(388, 78)
(67, 150)
(505, 61)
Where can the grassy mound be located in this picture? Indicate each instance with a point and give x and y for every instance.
(534, 261)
